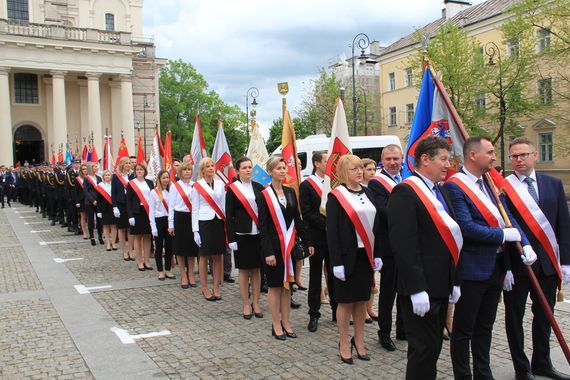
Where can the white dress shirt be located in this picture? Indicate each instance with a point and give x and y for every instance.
(361, 203)
(175, 201)
(250, 195)
(532, 175)
(201, 209)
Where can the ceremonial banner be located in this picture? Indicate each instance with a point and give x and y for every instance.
(123, 151)
(107, 158)
(141, 158)
(222, 157)
(168, 155)
(68, 155)
(258, 154)
(93, 156)
(198, 149)
(154, 162)
(85, 154)
(59, 155)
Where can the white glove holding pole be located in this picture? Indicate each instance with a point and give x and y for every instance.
(511, 234)
(116, 212)
(420, 303)
(455, 295)
(529, 256)
(154, 231)
(233, 246)
(197, 239)
(377, 264)
(508, 282)
(338, 272)
(132, 221)
(99, 215)
(565, 269)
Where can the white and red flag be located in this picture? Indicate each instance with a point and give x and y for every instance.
(154, 162)
(222, 156)
(107, 158)
(198, 149)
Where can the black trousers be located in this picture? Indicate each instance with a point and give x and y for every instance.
(515, 303)
(386, 297)
(72, 214)
(163, 242)
(61, 208)
(315, 281)
(90, 210)
(425, 338)
(473, 320)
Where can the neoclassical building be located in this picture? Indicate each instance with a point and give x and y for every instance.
(71, 70)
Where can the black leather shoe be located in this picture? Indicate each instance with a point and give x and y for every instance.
(551, 373)
(364, 357)
(278, 337)
(289, 334)
(93, 242)
(388, 344)
(400, 335)
(313, 324)
(524, 376)
(229, 279)
(295, 305)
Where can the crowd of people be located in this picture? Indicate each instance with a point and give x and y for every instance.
(437, 239)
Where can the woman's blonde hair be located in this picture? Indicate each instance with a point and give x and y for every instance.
(181, 167)
(122, 163)
(202, 166)
(90, 166)
(272, 163)
(105, 172)
(343, 164)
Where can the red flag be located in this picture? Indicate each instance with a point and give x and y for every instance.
(84, 153)
(289, 153)
(53, 158)
(168, 155)
(160, 144)
(94, 156)
(60, 155)
(497, 178)
(141, 158)
(123, 151)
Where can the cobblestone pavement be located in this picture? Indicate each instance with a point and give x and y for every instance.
(208, 339)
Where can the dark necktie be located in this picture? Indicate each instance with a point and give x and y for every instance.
(531, 189)
(479, 183)
(440, 198)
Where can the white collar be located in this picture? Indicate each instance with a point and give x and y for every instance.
(470, 175)
(428, 182)
(522, 177)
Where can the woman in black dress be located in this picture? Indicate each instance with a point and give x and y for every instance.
(105, 211)
(243, 234)
(89, 184)
(279, 219)
(80, 199)
(158, 208)
(119, 185)
(353, 253)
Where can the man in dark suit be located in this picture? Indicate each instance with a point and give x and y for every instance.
(480, 262)
(546, 193)
(381, 187)
(3, 185)
(310, 193)
(71, 196)
(417, 210)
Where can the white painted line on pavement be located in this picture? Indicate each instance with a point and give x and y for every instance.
(33, 223)
(38, 231)
(82, 289)
(59, 261)
(19, 212)
(567, 301)
(43, 243)
(27, 217)
(127, 338)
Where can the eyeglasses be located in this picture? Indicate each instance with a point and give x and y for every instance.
(522, 156)
(358, 169)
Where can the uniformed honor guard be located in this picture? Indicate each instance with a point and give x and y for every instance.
(71, 196)
(59, 185)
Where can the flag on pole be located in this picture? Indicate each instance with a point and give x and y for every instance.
(222, 157)
(435, 116)
(168, 155)
(107, 158)
(68, 155)
(258, 154)
(60, 154)
(94, 157)
(52, 156)
(123, 151)
(289, 153)
(141, 158)
(338, 147)
(88, 156)
(154, 162)
(198, 149)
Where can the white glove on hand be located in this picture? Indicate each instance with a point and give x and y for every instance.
(508, 282)
(154, 232)
(132, 221)
(377, 264)
(233, 246)
(197, 239)
(528, 257)
(338, 272)
(565, 269)
(116, 212)
(455, 294)
(511, 234)
(420, 303)
(99, 215)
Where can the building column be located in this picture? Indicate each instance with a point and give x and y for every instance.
(59, 110)
(84, 113)
(127, 112)
(7, 153)
(116, 114)
(48, 141)
(94, 111)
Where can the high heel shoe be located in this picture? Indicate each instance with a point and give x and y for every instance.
(446, 333)
(364, 357)
(345, 360)
(289, 334)
(278, 337)
(257, 315)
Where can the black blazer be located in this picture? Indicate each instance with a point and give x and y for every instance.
(423, 260)
(89, 191)
(341, 234)
(237, 219)
(102, 205)
(310, 209)
(118, 194)
(79, 192)
(134, 205)
(268, 234)
(381, 196)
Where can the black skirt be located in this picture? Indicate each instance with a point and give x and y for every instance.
(248, 255)
(274, 275)
(358, 284)
(123, 221)
(142, 224)
(184, 244)
(108, 218)
(213, 237)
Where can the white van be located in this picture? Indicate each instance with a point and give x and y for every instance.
(362, 146)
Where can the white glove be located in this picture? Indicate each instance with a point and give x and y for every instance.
(528, 257)
(338, 272)
(565, 269)
(154, 231)
(132, 221)
(508, 282)
(99, 215)
(116, 212)
(455, 294)
(233, 246)
(420, 303)
(511, 234)
(377, 264)
(197, 239)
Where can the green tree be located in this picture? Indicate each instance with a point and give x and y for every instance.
(302, 130)
(183, 94)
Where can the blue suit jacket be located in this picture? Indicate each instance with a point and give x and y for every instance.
(552, 202)
(480, 241)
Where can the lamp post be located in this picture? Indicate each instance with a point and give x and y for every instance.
(492, 50)
(363, 42)
(363, 91)
(145, 104)
(254, 93)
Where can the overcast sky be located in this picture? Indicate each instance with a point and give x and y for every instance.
(237, 44)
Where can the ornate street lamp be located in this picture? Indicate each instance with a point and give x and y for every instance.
(254, 93)
(362, 41)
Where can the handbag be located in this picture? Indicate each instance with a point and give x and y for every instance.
(300, 249)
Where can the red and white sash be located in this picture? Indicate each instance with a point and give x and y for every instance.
(164, 203)
(91, 181)
(385, 181)
(101, 190)
(122, 179)
(286, 235)
(135, 186)
(183, 195)
(79, 181)
(248, 204)
(484, 205)
(447, 227)
(317, 184)
(534, 218)
(208, 197)
(359, 220)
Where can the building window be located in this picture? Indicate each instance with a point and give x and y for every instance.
(392, 81)
(480, 103)
(545, 91)
(109, 21)
(409, 113)
(393, 117)
(409, 78)
(543, 37)
(18, 10)
(513, 48)
(545, 147)
(26, 88)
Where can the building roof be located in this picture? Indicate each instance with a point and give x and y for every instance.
(469, 16)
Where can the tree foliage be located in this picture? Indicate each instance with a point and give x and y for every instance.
(302, 130)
